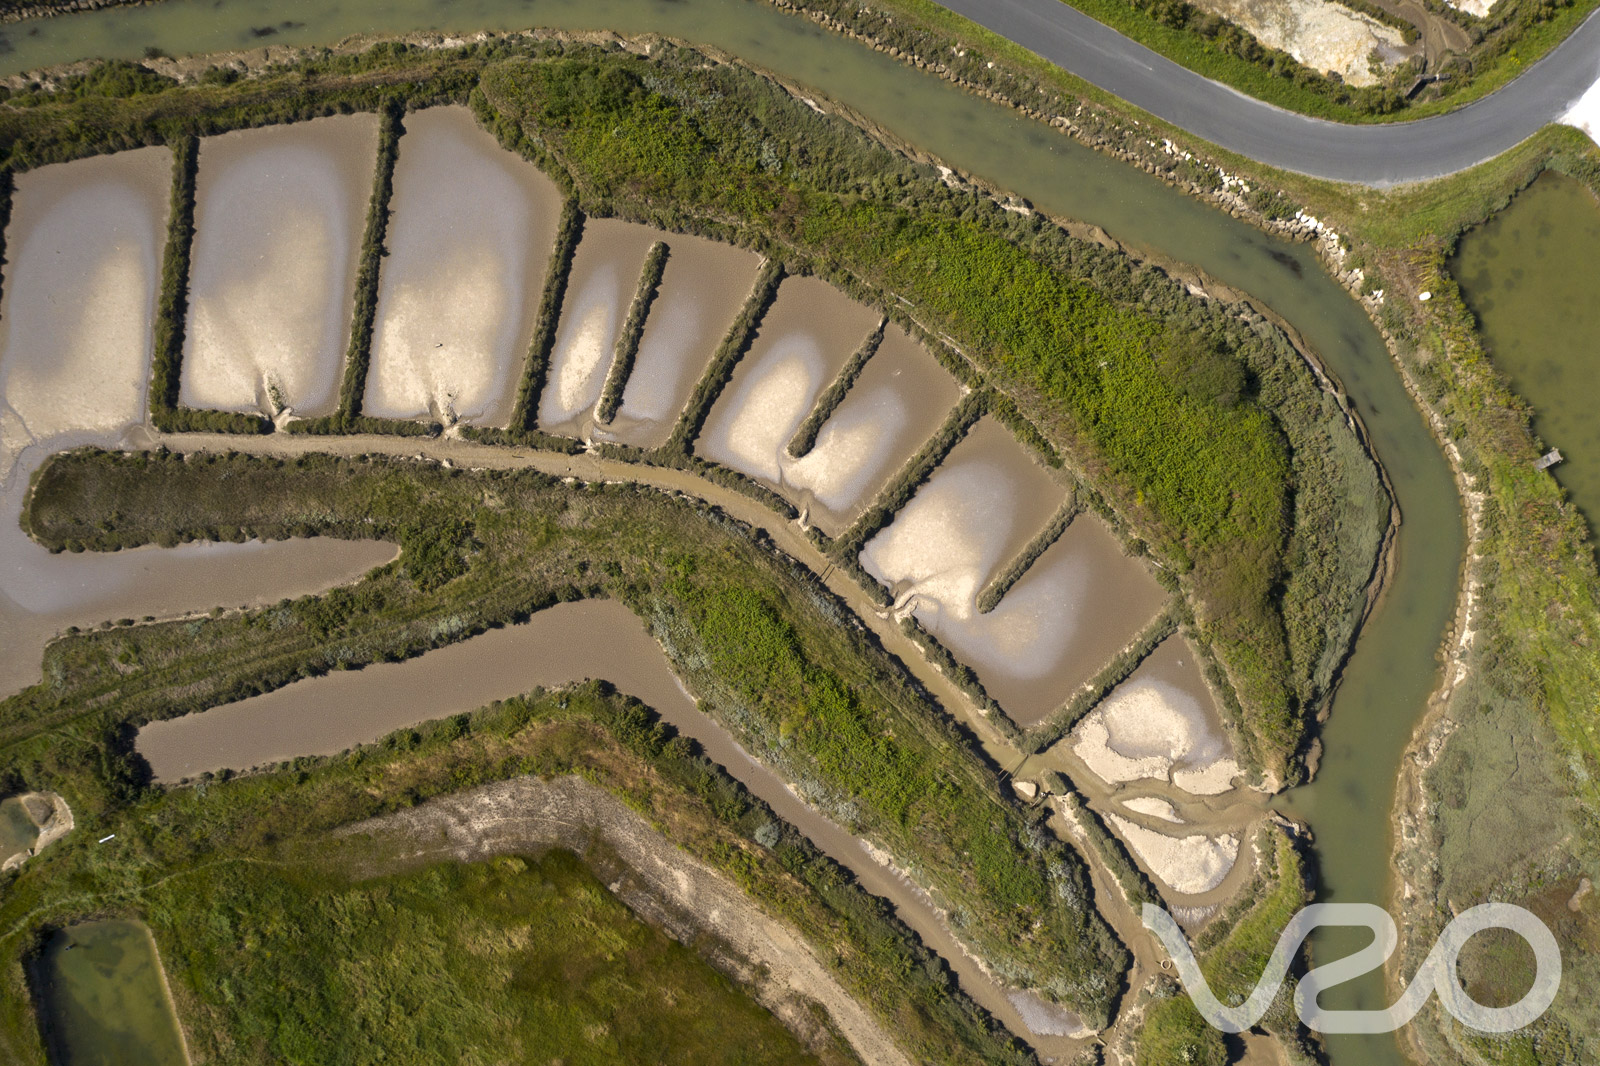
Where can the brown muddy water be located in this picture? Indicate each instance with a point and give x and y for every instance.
(279, 214)
(980, 508)
(1079, 603)
(704, 286)
(82, 262)
(471, 228)
(567, 643)
(600, 289)
(900, 400)
(806, 337)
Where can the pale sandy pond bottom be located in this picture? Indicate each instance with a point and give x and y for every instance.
(900, 399)
(702, 290)
(567, 643)
(804, 340)
(279, 214)
(82, 259)
(600, 289)
(470, 234)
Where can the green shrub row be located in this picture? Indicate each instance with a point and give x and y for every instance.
(358, 357)
(569, 231)
(627, 346)
(1098, 687)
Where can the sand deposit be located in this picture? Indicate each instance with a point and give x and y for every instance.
(1322, 34)
(82, 265)
(1154, 807)
(1585, 114)
(1190, 865)
(604, 278)
(1159, 724)
(470, 235)
(703, 288)
(279, 214)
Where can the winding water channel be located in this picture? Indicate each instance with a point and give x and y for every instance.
(1388, 679)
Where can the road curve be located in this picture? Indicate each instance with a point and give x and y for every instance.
(1380, 155)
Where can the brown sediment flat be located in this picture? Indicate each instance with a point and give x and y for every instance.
(1079, 603)
(569, 642)
(805, 339)
(980, 508)
(605, 275)
(703, 288)
(900, 400)
(82, 263)
(470, 232)
(279, 214)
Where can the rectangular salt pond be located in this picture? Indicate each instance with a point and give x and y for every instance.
(805, 339)
(704, 286)
(1161, 723)
(600, 288)
(900, 400)
(471, 228)
(981, 507)
(78, 295)
(1078, 605)
(279, 215)
(104, 998)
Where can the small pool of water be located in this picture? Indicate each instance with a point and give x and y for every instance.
(1529, 275)
(17, 831)
(104, 998)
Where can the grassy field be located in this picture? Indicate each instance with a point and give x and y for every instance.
(772, 655)
(516, 959)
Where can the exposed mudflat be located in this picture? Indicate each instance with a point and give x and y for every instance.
(279, 213)
(600, 288)
(703, 288)
(470, 233)
(77, 299)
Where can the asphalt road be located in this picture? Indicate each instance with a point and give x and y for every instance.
(1379, 155)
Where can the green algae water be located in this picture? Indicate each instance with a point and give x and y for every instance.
(105, 1001)
(1393, 670)
(17, 831)
(1529, 275)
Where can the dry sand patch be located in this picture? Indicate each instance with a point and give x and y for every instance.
(1322, 34)
(1191, 865)
(1159, 724)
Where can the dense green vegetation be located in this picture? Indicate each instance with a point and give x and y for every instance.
(531, 957)
(771, 654)
(252, 855)
(1174, 1032)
